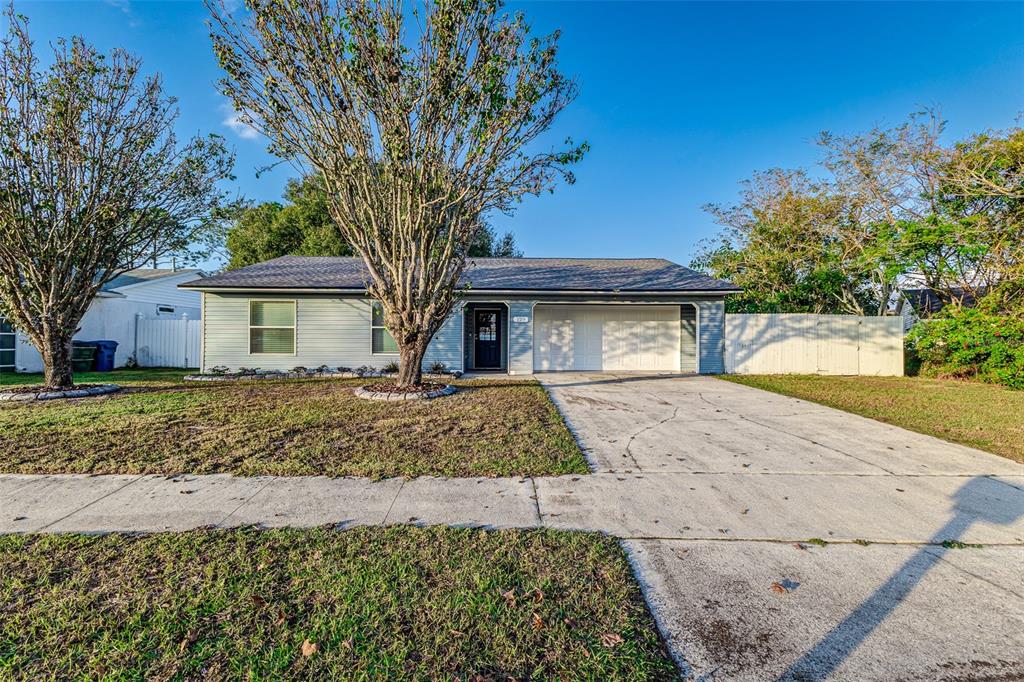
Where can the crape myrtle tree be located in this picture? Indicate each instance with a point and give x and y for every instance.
(420, 118)
(93, 181)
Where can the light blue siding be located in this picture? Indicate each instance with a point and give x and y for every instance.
(687, 338)
(446, 346)
(335, 331)
(329, 330)
(711, 323)
(520, 337)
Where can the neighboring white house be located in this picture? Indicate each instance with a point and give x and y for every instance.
(146, 293)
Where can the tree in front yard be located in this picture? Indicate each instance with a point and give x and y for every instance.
(92, 182)
(420, 119)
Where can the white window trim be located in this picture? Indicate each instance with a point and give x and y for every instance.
(375, 326)
(295, 324)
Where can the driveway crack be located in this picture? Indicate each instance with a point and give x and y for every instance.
(629, 444)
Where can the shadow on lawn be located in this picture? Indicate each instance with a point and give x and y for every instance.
(980, 499)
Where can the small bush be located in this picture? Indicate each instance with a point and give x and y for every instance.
(971, 343)
(363, 371)
(343, 370)
(218, 370)
(438, 368)
(391, 367)
(247, 371)
(298, 370)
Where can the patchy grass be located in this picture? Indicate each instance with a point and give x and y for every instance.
(983, 416)
(368, 603)
(125, 377)
(159, 424)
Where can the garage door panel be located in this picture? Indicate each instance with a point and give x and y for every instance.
(606, 337)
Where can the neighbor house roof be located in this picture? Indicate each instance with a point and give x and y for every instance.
(640, 275)
(140, 275)
(929, 301)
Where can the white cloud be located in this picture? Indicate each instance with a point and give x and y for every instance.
(238, 126)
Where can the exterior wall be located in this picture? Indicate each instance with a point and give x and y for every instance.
(335, 331)
(711, 323)
(687, 338)
(520, 337)
(329, 330)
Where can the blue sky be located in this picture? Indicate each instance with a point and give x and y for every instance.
(679, 101)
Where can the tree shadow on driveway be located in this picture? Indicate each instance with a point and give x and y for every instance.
(971, 504)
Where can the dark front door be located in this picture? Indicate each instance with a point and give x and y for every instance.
(487, 348)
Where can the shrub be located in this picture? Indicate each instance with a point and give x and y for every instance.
(343, 370)
(299, 369)
(971, 343)
(391, 367)
(247, 371)
(363, 371)
(218, 370)
(438, 368)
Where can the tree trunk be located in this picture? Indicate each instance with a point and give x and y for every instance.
(57, 368)
(410, 364)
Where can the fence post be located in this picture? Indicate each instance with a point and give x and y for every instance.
(184, 331)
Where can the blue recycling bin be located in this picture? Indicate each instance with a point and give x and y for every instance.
(105, 351)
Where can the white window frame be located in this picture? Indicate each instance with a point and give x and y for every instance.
(379, 326)
(295, 324)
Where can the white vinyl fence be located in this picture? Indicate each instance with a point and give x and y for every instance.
(167, 342)
(813, 344)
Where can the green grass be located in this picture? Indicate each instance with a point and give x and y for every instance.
(983, 416)
(160, 424)
(377, 603)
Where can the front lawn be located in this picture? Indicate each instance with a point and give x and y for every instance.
(983, 416)
(159, 424)
(367, 603)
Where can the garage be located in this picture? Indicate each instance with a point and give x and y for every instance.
(606, 337)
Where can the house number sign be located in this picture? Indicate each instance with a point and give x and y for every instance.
(520, 318)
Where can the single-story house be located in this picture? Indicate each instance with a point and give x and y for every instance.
(914, 305)
(150, 293)
(514, 315)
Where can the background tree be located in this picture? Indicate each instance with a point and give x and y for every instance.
(783, 243)
(302, 227)
(893, 207)
(420, 119)
(93, 182)
(487, 244)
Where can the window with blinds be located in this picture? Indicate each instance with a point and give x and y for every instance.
(381, 340)
(272, 327)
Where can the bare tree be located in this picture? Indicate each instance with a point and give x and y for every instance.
(420, 120)
(92, 183)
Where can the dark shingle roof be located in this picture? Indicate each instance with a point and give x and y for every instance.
(928, 301)
(528, 274)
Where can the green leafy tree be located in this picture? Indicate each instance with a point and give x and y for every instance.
(421, 119)
(486, 244)
(304, 227)
(93, 182)
(301, 227)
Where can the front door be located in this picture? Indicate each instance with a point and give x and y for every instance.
(487, 344)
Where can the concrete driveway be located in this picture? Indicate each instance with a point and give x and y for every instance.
(717, 490)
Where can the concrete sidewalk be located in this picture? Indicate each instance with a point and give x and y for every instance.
(711, 506)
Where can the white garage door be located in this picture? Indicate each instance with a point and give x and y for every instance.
(606, 337)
